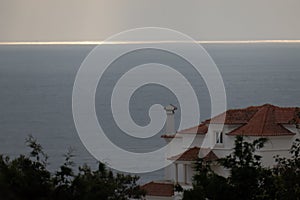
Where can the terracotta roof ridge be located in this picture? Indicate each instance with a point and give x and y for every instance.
(264, 122)
(193, 153)
(186, 154)
(253, 120)
(265, 116)
(259, 107)
(211, 156)
(264, 110)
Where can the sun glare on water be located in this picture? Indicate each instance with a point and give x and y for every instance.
(145, 42)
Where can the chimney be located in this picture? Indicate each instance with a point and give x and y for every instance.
(170, 123)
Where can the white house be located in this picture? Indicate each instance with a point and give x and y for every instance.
(214, 138)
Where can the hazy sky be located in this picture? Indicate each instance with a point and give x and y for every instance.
(69, 20)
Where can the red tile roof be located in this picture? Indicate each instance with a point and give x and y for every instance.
(192, 154)
(282, 115)
(235, 116)
(200, 129)
(265, 120)
(167, 136)
(159, 189)
(211, 156)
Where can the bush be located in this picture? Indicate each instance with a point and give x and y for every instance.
(27, 177)
(248, 179)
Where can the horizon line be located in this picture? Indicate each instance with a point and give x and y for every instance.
(146, 42)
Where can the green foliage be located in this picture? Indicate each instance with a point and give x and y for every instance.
(178, 188)
(248, 179)
(207, 184)
(243, 155)
(245, 168)
(287, 172)
(26, 177)
(296, 118)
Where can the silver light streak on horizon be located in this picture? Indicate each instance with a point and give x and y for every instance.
(148, 42)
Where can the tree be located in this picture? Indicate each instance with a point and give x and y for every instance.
(287, 172)
(102, 184)
(247, 180)
(246, 173)
(206, 183)
(27, 177)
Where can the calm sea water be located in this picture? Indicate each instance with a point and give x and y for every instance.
(36, 93)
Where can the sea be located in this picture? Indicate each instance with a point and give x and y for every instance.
(36, 84)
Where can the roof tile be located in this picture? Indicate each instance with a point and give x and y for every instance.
(264, 120)
(159, 189)
(200, 129)
(192, 154)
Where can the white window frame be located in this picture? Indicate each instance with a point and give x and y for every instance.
(219, 137)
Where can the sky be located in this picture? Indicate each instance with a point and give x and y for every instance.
(95, 20)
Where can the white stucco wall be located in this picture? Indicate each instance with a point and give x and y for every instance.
(276, 145)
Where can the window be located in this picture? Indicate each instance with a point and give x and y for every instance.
(219, 137)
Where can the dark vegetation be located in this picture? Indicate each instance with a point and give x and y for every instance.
(27, 177)
(248, 178)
